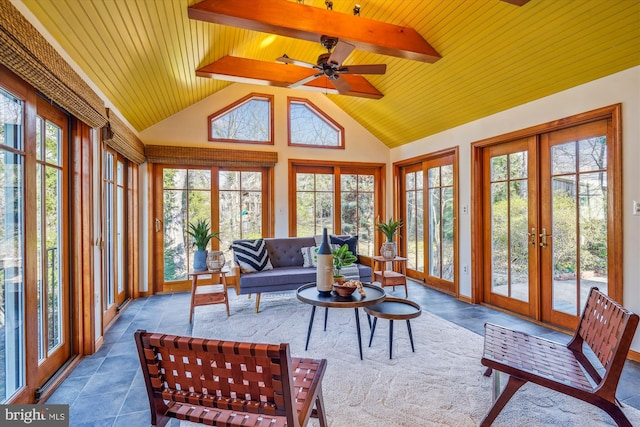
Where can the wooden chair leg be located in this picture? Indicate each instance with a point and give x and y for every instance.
(320, 413)
(257, 302)
(509, 390)
(615, 412)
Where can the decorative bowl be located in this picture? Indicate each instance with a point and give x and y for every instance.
(343, 291)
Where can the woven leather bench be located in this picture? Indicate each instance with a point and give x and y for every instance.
(605, 327)
(226, 383)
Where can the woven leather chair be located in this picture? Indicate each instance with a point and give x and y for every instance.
(225, 383)
(605, 327)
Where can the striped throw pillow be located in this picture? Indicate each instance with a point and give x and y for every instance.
(251, 255)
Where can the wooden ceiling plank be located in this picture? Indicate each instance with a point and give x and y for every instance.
(304, 22)
(242, 70)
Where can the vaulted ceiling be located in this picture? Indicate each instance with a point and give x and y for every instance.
(143, 55)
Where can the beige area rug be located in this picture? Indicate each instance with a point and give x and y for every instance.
(441, 384)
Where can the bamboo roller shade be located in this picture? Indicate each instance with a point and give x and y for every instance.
(124, 141)
(199, 156)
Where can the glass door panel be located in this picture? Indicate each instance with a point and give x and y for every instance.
(575, 251)
(52, 293)
(511, 221)
(186, 199)
(414, 218)
(12, 241)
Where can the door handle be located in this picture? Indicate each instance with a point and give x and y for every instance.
(532, 236)
(158, 225)
(543, 238)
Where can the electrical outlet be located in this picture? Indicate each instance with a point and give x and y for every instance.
(636, 208)
(465, 209)
(465, 269)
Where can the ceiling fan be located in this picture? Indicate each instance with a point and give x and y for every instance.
(330, 65)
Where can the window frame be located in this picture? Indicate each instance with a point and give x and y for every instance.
(157, 243)
(244, 100)
(322, 116)
(378, 170)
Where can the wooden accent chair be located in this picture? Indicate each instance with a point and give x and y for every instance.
(226, 383)
(605, 327)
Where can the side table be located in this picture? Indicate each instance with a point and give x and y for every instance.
(393, 309)
(396, 276)
(208, 294)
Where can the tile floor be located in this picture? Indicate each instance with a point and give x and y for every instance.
(107, 389)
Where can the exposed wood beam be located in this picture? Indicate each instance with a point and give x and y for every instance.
(517, 2)
(242, 70)
(300, 21)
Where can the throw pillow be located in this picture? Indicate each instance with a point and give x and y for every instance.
(351, 241)
(309, 256)
(251, 255)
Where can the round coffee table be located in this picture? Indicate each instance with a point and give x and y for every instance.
(394, 309)
(309, 294)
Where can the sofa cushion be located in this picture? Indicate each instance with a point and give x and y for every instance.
(279, 279)
(285, 251)
(251, 255)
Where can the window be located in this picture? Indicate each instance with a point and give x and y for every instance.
(240, 213)
(310, 127)
(235, 202)
(248, 120)
(341, 198)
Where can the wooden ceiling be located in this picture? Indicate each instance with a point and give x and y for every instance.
(143, 55)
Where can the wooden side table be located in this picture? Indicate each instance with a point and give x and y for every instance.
(396, 276)
(394, 309)
(208, 294)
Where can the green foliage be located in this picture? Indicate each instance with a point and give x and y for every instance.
(389, 228)
(200, 231)
(342, 257)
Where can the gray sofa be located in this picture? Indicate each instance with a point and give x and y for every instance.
(288, 272)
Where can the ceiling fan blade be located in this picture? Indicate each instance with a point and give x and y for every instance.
(340, 52)
(364, 69)
(305, 80)
(287, 60)
(341, 84)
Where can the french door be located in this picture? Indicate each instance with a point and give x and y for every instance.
(428, 190)
(114, 254)
(549, 225)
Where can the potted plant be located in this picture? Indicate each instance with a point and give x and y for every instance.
(390, 228)
(201, 234)
(342, 257)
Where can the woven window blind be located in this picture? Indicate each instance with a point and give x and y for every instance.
(124, 141)
(198, 156)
